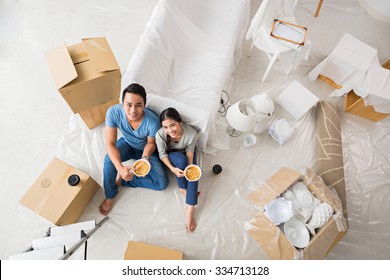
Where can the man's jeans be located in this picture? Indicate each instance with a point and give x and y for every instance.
(180, 160)
(156, 179)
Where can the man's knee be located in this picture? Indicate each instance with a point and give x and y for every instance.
(162, 183)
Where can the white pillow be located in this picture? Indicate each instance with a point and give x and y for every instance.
(194, 116)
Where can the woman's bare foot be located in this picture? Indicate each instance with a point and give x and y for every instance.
(106, 206)
(191, 224)
(183, 191)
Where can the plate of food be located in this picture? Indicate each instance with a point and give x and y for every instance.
(141, 167)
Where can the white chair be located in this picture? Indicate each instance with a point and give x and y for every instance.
(346, 67)
(260, 28)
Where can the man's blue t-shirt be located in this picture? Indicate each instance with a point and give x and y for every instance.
(115, 117)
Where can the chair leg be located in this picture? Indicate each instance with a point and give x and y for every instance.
(251, 49)
(270, 64)
(318, 8)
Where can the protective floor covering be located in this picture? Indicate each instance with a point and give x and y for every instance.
(37, 125)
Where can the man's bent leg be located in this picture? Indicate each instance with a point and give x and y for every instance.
(109, 170)
(157, 179)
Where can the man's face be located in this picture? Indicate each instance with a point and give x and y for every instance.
(133, 104)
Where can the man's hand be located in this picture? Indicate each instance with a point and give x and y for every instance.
(126, 173)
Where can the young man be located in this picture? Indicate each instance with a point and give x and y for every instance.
(139, 126)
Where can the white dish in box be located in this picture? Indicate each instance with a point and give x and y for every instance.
(297, 233)
(279, 210)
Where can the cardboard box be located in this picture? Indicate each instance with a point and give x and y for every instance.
(142, 251)
(272, 239)
(86, 74)
(53, 198)
(354, 104)
(96, 115)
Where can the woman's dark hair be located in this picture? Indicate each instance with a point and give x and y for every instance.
(135, 89)
(172, 114)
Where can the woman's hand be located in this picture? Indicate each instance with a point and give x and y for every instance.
(177, 171)
(126, 173)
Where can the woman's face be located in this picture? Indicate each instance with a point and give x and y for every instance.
(172, 128)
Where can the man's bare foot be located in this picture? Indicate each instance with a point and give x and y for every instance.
(191, 224)
(106, 206)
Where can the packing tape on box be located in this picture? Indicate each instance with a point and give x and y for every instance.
(45, 199)
(340, 221)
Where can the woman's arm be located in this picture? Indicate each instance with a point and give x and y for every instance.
(190, 157)
(175, 170)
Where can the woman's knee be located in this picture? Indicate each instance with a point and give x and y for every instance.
(178, 159)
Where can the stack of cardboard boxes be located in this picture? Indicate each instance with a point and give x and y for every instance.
(88, 77)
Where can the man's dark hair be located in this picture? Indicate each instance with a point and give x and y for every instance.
(135, 89)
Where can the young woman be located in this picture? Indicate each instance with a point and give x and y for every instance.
(176, 146)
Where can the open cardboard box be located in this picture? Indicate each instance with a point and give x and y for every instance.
(88, 77)
(53, 198)
(142, 251)
(272, 239)
(354, 104)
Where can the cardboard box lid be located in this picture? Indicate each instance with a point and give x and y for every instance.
(100, 54)
(274, 186)
(62, 60)
(50, 195)
(61, 66)
(142, 251)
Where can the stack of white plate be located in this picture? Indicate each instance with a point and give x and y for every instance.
(280, 131)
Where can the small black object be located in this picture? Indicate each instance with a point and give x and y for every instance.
(217, 169)
(73, 180)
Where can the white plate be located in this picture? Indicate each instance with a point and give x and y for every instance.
(303, 196)
(297, 233)
(282, 129)
(279, 210)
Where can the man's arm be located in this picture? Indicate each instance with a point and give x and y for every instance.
(113, 153)
(150, 147)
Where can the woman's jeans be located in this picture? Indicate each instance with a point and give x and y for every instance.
(157, 178)
(180, 160)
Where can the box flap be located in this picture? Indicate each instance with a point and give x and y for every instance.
(321, 191)
(321, 242)
(61, 66)
(78, 53)
(274, 186)
(143, 251)
(100, 54)
(271, 239)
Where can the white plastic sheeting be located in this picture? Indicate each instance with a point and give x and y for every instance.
(38, 132)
